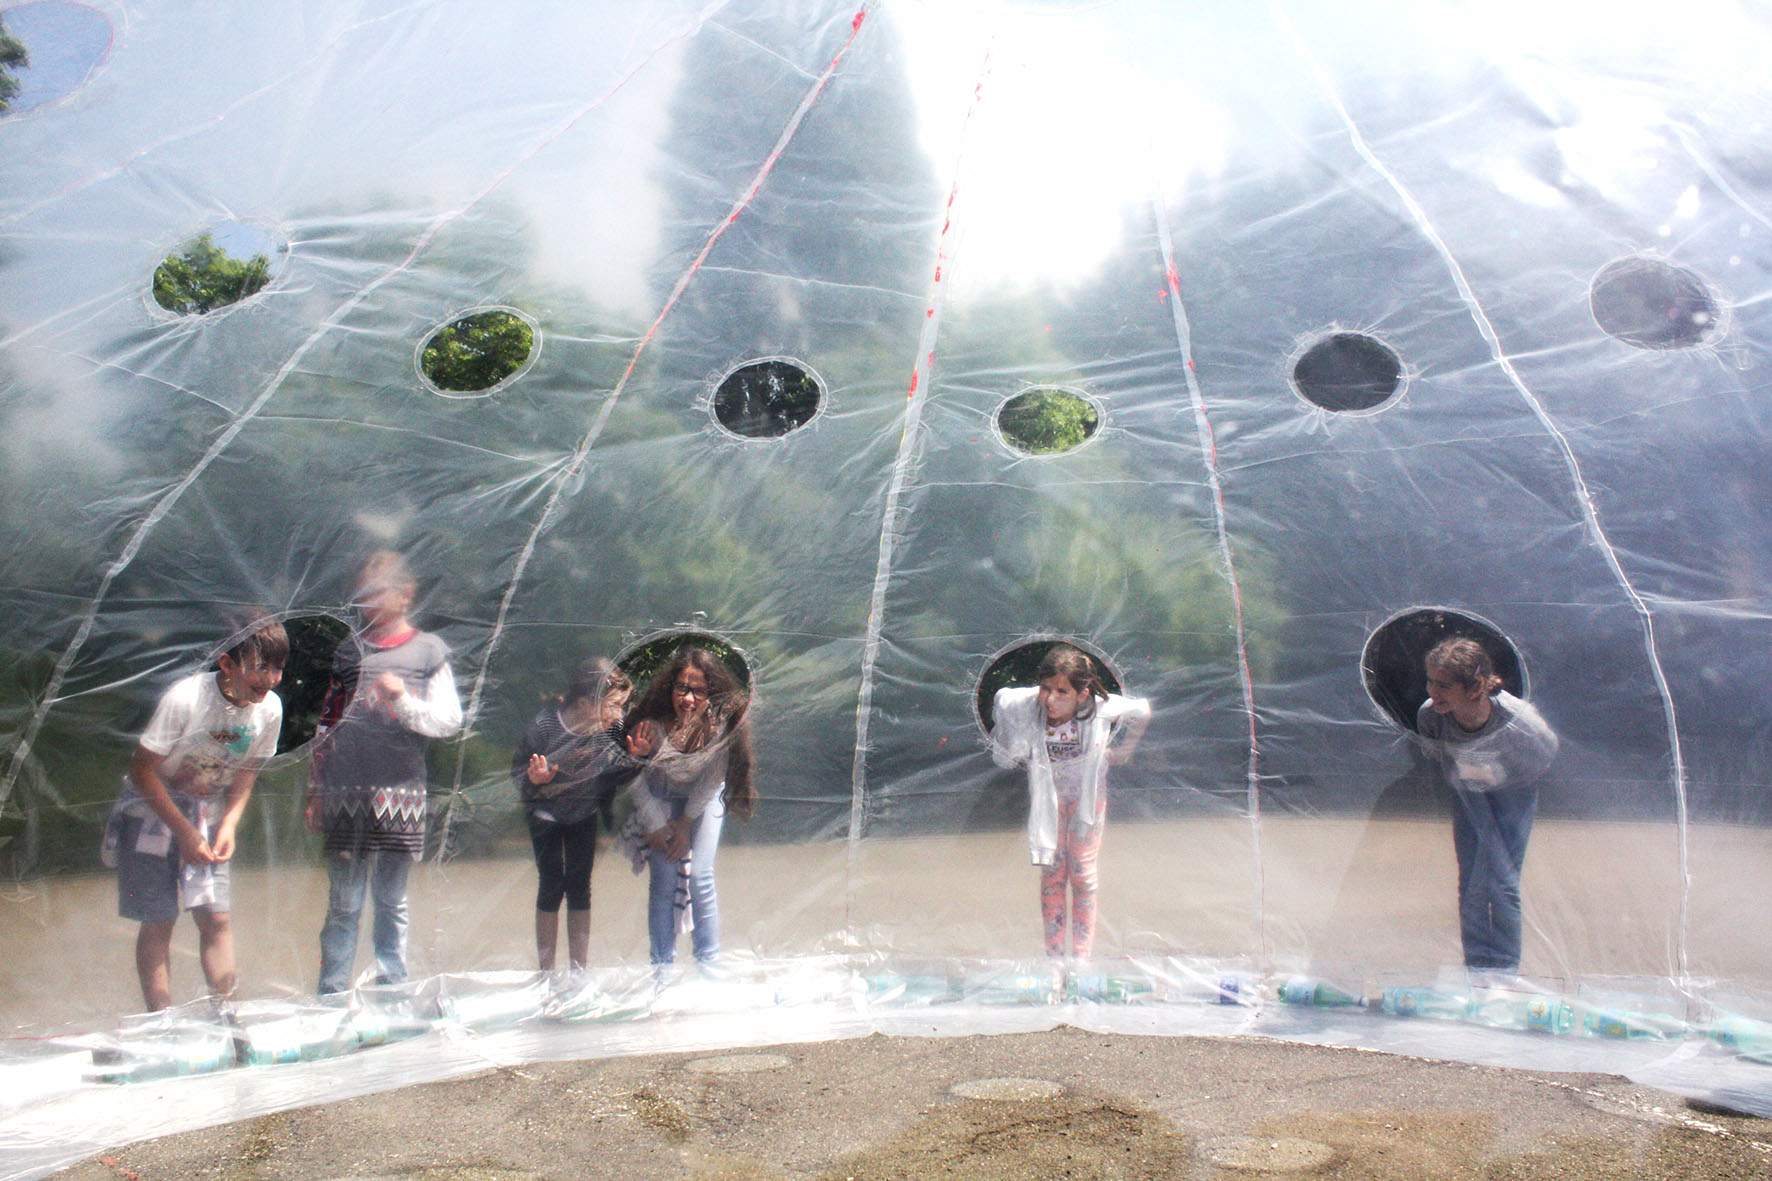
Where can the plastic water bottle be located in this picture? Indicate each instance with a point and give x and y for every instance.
(173, 1054)
(301, 1037)
(1021, 988)
(1622, 1023)
(1307, 990)
(1097, 988)
(1746, 1036)
(1549, 1014)
(894, 988)
(493, 1009)
(369, 1027)
(1513, 1010)
(1424, 1002)
(886, 987)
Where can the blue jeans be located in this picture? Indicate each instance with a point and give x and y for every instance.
(1489, 831)
(383, 875)
(704, 904)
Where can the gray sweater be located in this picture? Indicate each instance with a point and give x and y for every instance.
(1514, 748)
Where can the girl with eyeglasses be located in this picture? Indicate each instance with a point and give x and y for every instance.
(692, 727)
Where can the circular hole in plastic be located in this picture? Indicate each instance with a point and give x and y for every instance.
(474, 353)
(1347, 372)
(1047, 421)
(48, 49)
(766, 399)
(307, 675)
(1651, 304)
(1393, 663)
(223, 265)
(1017, 666)
(642, 661)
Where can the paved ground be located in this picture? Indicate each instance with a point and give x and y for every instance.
(1063, 1103)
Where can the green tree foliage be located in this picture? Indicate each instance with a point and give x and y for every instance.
(13, 57)
(766, 399)
(477, 352)
(644, 660)
(56, 812)
(1046, 422)
(203, 277)
(306, 676)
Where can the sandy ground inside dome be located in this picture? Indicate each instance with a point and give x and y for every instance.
(1064, 1103)
(1353, 899)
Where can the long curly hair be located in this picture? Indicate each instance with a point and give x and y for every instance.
(726, 720)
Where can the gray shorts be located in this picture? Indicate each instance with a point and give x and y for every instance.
(148, 880)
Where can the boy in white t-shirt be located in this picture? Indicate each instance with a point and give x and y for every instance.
(171, 833)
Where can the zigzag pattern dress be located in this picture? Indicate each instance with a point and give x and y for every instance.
(370, 764)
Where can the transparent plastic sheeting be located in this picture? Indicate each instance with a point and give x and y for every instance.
(1527, 246)
(190, 1071)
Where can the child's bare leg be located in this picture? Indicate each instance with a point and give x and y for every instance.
(153, 955)
(1052, 892)
(215, 932)
(578, 936)
(1055, 880)
(1085, 851)
(1082, 919)
(547, 938)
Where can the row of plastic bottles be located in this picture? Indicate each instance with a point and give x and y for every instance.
(1514, 1008)
(166, 1047)
(1012, 987)
(169, 1048)
(1500, 1010)
(179, 1048)
(1494, 1006)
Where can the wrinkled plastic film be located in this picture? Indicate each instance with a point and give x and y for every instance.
(929, 210)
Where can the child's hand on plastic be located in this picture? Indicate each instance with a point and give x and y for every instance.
(643, 740)
(540, 770)
(311, 814)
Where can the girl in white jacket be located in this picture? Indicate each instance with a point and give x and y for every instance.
(1063, 731)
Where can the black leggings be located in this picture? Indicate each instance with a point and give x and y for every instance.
(563, 854)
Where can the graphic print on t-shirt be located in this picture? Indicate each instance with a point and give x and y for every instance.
(1064, 741)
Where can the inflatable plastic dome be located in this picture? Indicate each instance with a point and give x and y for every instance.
(875, 349)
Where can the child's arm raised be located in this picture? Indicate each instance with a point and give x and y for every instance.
(530, 769)
(643, 741)
(435, 715)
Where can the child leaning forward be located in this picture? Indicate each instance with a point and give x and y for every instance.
(1062, 730)
(171, 834)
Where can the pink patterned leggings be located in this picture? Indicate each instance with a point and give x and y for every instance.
(1075, 868)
